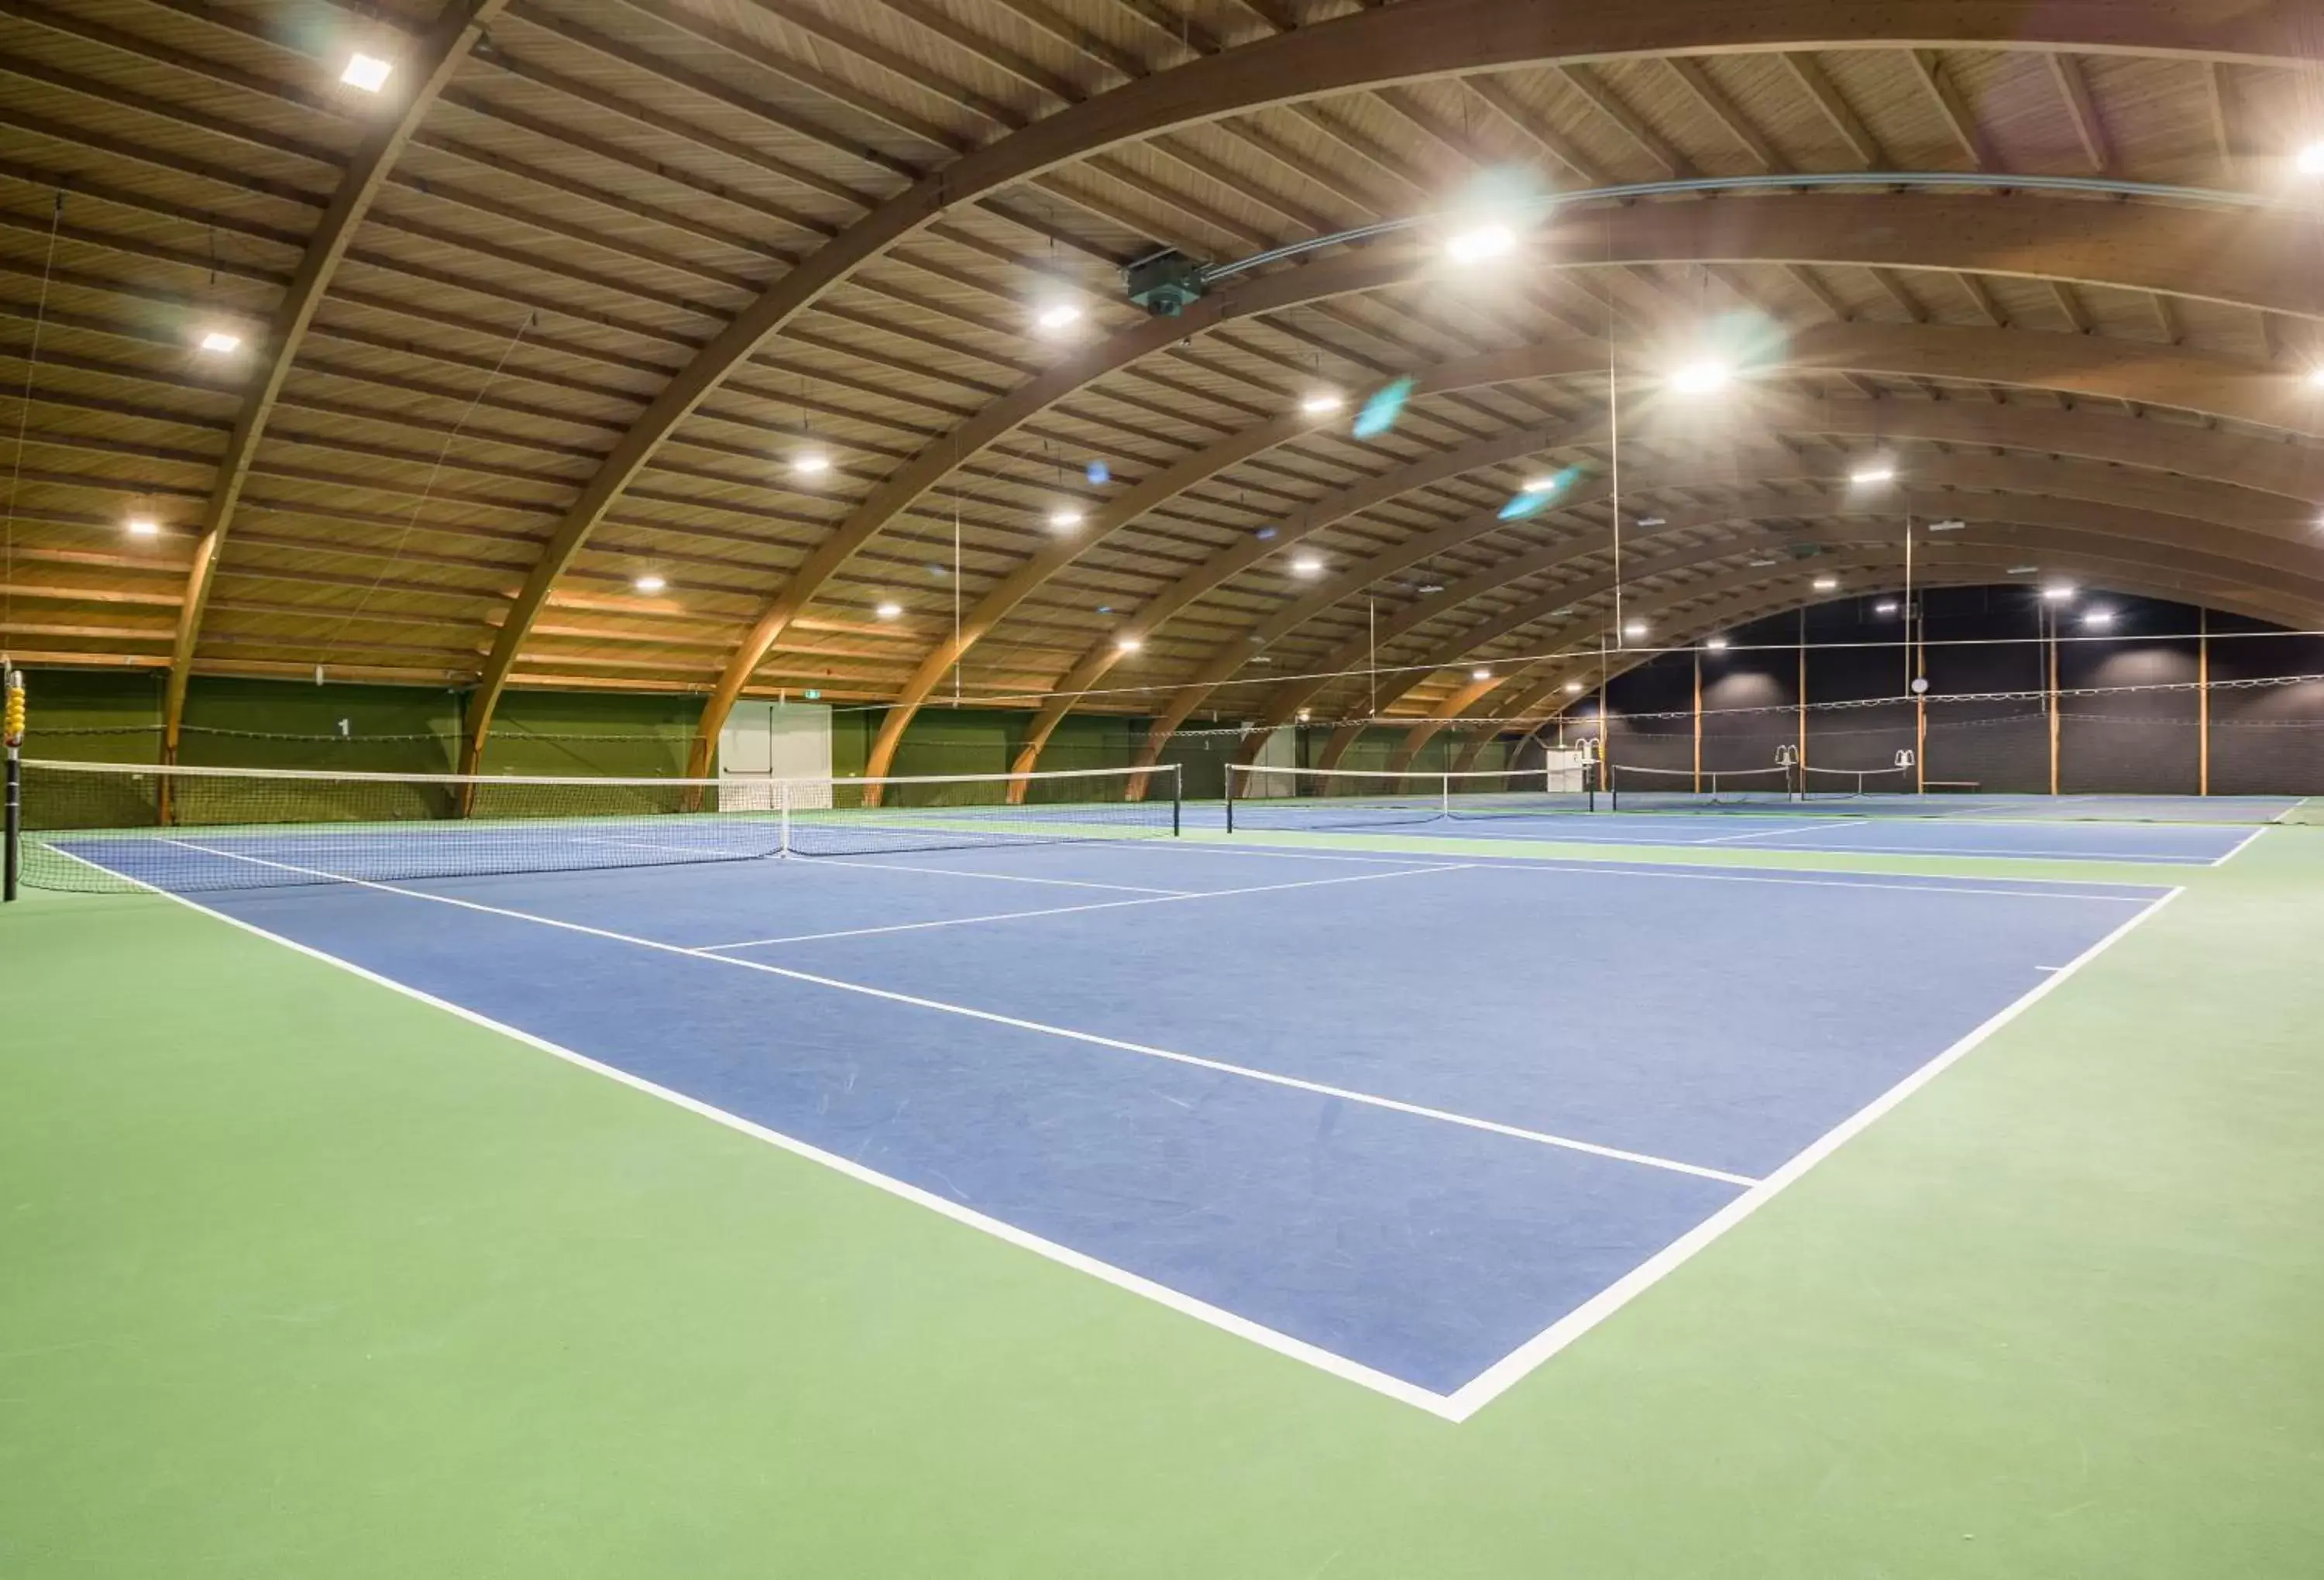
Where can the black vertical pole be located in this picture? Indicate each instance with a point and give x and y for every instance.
(1177, 799)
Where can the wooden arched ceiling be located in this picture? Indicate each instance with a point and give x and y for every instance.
(561, 307)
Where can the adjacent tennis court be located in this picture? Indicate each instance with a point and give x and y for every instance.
(1060, 1025)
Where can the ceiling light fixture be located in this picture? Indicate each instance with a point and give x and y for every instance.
(367, 72)
(1482, 243)
(1701, 378)
(1306, 564)
(649, 583)
(2058, 593)
(1949, 526)
(2099, 618)
(1635, 629)
(889, 610)
(1827, 583)
(1573, 688)
(1064, 518)
(1481, 673)
(143, 526)
(1058, 316)
(810, 463)
(1322, 403)
(1886, 606)
(2310, 160)
(1128, 644)
(1871, 476)
(219, 341)
(1715, 644)
(2315, 375)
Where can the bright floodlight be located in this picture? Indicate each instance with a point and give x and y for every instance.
(1481, 673)
(1482, 243)
(1549, 483)
(1322, 403)
(1573, 688)
(1305, 714)
(1716, 644)
(2315, 375)
(811, 463)
(649, 583)
(2311, 159)
(1635, 629)
(1701, 378)
(144, 526)
(889, 610)
(2098, 616)
(1886, 606)
(367, 72)
(220, 341)
(1878, 472)
(1058, 316)
(2058, 594)
(1128, 644)
(1827, 583)
(1064, 518)
(1307, 565)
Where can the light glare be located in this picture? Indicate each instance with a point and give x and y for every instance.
(1128, 644)
(1701, 378)
(1480, 243)
(649, 583)
(1879, 472)
(2058, 593)
(2098, 616)
(1716, 644)
(144, 526)
(367, 72)
(1635, 629)
(1306, 564)
(219, 341)
(1481, 673)
(1058, 316)
(1064, 518)
(1827, 583)
(2311, 159)
(1322, 403)
(889, 610)
(811, 463)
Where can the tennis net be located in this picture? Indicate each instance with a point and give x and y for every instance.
(1262, 798)
(1855, 784)
(1644, 789)
(112, 826)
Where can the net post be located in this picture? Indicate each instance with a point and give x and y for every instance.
(1444, 796)
(11, 823)
(1231, 796)
(1178, 800)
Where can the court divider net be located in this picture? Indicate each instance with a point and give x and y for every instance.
(1264, 797)
(110, 826)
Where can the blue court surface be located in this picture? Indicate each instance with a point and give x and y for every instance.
(1418, 1122)
(2164, 843)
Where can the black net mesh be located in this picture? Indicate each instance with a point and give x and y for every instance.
(105, 826)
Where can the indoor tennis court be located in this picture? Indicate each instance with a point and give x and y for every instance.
(1044, 789)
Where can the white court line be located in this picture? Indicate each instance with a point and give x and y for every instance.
(2241, 844)
(996, 876)
(1166, 899)
(1319, 1089)
(1506, 1372)
(1226, 1322)
(1702, 875)
(1801, 829)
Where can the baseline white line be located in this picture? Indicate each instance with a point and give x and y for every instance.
(2241, 844)
(1506, 1372)
(1319, 1089)
(995, 876)
(1170, 899)
(1186, 1305)
(1697, 875)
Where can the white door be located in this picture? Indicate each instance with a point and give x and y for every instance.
(768, 742)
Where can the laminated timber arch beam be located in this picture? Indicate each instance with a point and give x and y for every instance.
(1370, 48)
(437, 55)
(2152, 375)
(2225, 257)
(2141, 374)
(2159, 506)
(2170, 251)
(2168, 573)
